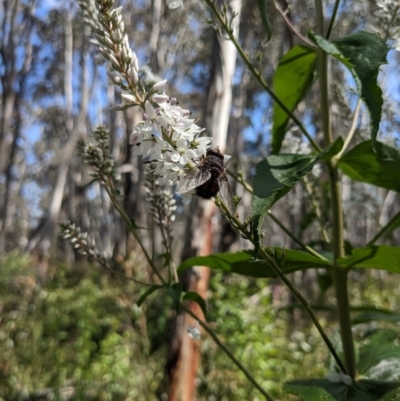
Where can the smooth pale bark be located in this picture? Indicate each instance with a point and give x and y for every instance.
(15, 38)
(184, 356)
(387, 207)
(45, 233)
(155, 56)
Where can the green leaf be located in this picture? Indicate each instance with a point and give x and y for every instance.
(262, 6)
(307, 393)
(393, 395)
(148, 292)
(373, 314)
(196, 297)
(293, 77)
(175, 292)
(363, 54)
(326, 390)
(244, 263)
(379, 358)
(380, 167)
(277, 174)
(373, 257)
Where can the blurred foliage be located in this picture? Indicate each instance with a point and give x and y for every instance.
(260, 335)
(81, 336)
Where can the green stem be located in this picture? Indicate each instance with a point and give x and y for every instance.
(235, 222)
(332, 20)
(340, 275)
(233, 358)
(239, 179)
(257, 75)
(351, 132)
(277, 221)
(127, 220)
(390, 226)
(291, 27)
(295, 239)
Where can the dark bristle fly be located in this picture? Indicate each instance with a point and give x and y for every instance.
(209, 178)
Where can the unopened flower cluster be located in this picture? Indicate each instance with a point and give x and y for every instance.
(97, 154)
(162, 206)
(109, 35)
(169, 138)
(79, 240)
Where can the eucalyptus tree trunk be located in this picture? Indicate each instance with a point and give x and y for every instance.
(43, 237)
(202, 223)
(15, 38)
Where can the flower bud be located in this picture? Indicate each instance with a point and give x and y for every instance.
(159, 85)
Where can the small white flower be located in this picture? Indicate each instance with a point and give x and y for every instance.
(154, 120)
(202, 144)
(169, 136)
(153, 148)
(136, 139)
(157, 98)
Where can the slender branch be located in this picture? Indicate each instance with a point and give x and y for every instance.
(239, 179)
(340, 275)
(385, 230)
(257, 75)
(233, 358)
(352, 130)
(296, 239)
(110, 191)
(248, 187)
(291, 28)
(236, 223)
(332, 20)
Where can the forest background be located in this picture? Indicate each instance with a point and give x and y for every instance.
(72, 330)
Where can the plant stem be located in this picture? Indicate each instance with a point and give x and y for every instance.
(332, 20)
(340, 275)
(351, 132)
(110, 191)
(386, 229)
(236, 223)
(257, 74)
(236, 361)
(291, 28)
(295, 239)
(277, 221)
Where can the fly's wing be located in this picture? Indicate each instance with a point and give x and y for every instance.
(226, 193)
(193, 179)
